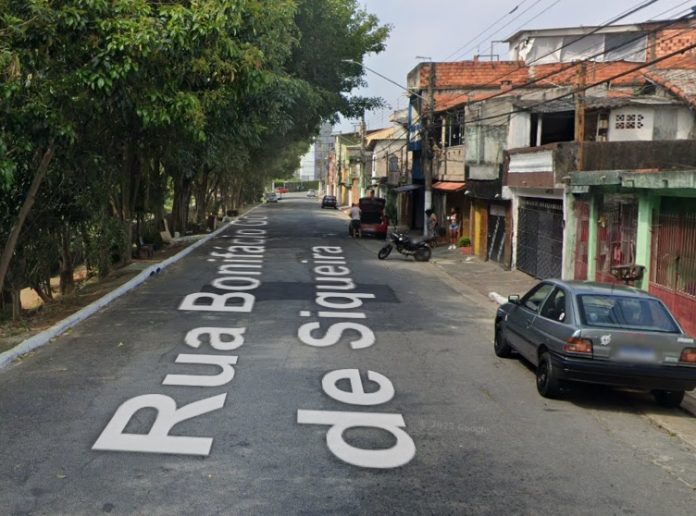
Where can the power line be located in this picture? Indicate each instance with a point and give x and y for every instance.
(592, 85)
(571, 65)
(487, 28)
(511, 21)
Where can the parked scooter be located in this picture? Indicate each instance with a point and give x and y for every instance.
(419, 250)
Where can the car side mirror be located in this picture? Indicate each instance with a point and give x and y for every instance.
(514, 299)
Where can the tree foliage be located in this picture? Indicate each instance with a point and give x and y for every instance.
(112, 109)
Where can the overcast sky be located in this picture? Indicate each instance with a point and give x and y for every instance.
(443, 30)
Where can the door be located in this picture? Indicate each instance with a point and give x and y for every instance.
(673, 268)
(520, 319)
(540, 237)
(496, 232)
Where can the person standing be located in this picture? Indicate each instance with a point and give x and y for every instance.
(355, 221)
(453, 228)
(432, 224)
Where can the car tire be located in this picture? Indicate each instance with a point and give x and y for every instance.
(547, 380)
(669, 399)
(500, 346)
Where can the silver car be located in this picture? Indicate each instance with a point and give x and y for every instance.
(575, 331)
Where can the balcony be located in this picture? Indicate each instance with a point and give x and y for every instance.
(546, 166)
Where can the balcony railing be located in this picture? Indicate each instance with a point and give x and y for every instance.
(547, 165)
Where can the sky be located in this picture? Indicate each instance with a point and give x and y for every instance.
(455, 30)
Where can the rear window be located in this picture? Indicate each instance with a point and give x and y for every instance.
(633, 313)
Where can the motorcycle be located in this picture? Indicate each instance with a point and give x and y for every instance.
(419, 250)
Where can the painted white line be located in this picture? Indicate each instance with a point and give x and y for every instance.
(45, 336)
(494, 296)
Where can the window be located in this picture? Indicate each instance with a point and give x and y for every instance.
(629, 121)
(625, 312)
(535, 297)
(555, 306)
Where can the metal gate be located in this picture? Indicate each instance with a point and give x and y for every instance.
(496, 232)
(540, 237)
(673, 267)
(616, 235)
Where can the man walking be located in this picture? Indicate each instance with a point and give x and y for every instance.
(355, 221)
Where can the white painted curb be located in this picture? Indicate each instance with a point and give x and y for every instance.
(494, 296)
(45, 336)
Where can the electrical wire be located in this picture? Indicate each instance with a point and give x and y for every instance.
(546, 9)
(487, 29)
(571, 65)
(592, 85)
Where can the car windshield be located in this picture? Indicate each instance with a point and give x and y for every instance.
(635, 313)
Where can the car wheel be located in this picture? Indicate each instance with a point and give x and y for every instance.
(422, 254)
(668, 398)
(547, 381)
(500, 346)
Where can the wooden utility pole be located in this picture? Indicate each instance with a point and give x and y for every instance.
(580, 115)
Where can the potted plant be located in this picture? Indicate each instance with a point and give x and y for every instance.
(464, 244)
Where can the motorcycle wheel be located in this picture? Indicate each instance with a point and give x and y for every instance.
(384, 252)
(422, 254)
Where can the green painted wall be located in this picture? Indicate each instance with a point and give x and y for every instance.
(646, 204)
(592, 241)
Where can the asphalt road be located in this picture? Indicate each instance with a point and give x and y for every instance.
(365, 387)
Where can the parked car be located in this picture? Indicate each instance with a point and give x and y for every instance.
(311, 193)
(329, 201)
(373, 221)
(272, 197)
(281, 190)
(575, 331)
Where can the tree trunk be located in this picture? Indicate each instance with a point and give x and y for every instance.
(182, 194)
(41, 293)
(200, 193)
(67, 279)
(16, 305)
(11, 243)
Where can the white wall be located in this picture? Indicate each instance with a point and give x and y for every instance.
(685, 123)
(644, 121)
(518, 130)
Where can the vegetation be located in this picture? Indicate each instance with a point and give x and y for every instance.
(464, 242)
(111, 110)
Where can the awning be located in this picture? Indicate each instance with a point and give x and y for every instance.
(406, 188)
(448, 186)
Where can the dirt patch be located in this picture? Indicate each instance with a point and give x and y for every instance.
(40, 317)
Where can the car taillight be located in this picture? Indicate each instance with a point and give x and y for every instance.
(578, 345)
(688, 355)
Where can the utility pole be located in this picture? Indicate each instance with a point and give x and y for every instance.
(580, 116)
(427, 150)
(363, 156)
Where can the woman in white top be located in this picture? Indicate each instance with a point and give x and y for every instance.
(453, 228)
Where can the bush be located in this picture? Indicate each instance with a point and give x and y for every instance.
(464, 242)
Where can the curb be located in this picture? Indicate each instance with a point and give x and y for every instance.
(42, 338)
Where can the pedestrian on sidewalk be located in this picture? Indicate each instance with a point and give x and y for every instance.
(453, 228)
(355, 221)
(432, 226)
